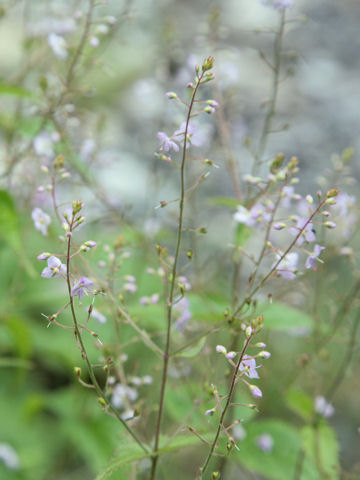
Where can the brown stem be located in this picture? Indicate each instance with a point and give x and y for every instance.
(79, 339)
(172, 288)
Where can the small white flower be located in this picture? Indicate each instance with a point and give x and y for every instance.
(9, 457)
(41, 220)
(57, 44)
(43, 144)
(323, 407)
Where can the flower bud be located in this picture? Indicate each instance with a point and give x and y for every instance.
(210, 412)
(221, 349)
(255, 391)
(248, 331)
(208, 64)
(44, 256)
(330, 224)
(264, 354)
(332, 193)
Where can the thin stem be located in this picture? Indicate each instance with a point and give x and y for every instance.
(172, 287)
(228, 402)
(79, 339)
(281, 258)
(81, 44)
(339, 377)
(274, 95)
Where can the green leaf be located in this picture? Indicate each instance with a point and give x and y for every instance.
(242, 234)
(224, 201)
(279, 316)
(20, 334)
(10, 229)
(280, 463)
(131, 452)
(192, 351)
(14, 90)
(15, 363)
(300, 403)
(322, 447)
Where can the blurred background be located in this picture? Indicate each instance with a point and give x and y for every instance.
(102, 110)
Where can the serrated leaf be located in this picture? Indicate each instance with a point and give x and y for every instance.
(131, 453)
(279, 463)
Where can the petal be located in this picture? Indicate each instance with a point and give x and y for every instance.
(54, 262)
(47, 273)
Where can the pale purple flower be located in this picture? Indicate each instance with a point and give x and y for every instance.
(154, 298)
(194, 135)
(278, 4)
(166, 143)
(130, 287)
(210, 412)
(288, 194)
(81, 287)
(249, 366)
(239, 432)
(57, 44)
(311, 260)
(253, 217)
(98, 316)
(122, 394)
(288, 266)
(184, 314)
(43, 144)
(94, 42)
(255, 391)
(265, 442)
(323, 407)
(343, 202)
(9, 456)
(87, 148)
(54, 269)
(307, 231)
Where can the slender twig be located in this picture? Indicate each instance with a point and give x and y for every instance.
(281, 258)
(81, 44)
(339, 377)
(276, 64)
(105, 402)
(227, 405)
(172, 285)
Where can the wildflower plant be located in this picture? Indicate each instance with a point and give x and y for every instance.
(187, 328)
